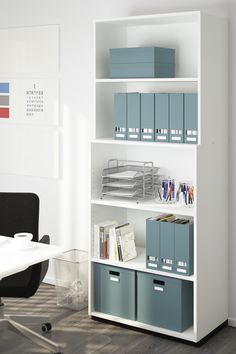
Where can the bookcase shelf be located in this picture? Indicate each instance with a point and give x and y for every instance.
(106, 88)
(155, 80)
(147, 205)
(144, 143)
(197, 38)
(139, 264)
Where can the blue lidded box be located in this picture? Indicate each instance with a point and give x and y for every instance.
(142, 62)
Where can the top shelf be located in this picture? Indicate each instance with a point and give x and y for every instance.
(176, 80)
(175, 17)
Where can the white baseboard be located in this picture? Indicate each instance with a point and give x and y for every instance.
(49, 280)
(232, 322)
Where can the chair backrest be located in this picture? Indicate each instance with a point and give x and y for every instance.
(19, 212)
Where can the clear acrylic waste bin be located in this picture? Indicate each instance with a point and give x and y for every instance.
(71, 270)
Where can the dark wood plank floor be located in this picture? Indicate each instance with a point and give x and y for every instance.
(78, 334)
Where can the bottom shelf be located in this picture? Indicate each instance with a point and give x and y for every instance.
(188, 334)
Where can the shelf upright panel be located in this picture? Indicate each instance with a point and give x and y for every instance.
(211, 290)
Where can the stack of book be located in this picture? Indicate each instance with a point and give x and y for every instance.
(114, 242)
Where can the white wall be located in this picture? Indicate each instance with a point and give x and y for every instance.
(64, 203)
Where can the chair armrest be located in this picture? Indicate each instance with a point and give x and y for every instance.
(44, 265)
(45, 239)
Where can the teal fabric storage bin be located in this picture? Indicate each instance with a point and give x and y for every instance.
(114, 291)
(164, 302)
(183, 249)
(142, 62)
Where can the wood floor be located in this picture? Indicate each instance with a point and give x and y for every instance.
(78, 334)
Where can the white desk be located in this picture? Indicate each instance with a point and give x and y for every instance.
(13, 260)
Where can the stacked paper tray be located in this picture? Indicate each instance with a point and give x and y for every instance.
(129, 179)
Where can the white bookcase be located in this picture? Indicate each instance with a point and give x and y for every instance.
(200, 41)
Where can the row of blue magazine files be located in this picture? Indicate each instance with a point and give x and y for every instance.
(147, 298)
(161, 117)
(169, 245)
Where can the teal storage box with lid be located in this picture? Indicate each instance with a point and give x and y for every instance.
(114, 291)
(164, 302)
(142, 62)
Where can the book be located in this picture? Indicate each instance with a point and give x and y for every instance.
(128, 247)
(95, 241)
(106, 242)
(113, 252)
(125, 242)
(100, 244)
(119, 249)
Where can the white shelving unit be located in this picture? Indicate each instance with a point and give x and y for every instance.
(200, 41)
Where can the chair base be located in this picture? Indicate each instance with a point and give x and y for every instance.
(28, 319)
(14, 324)
(29, 334)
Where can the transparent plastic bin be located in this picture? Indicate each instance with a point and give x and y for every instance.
(71, 270)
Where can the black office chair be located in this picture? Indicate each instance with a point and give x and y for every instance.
(19, 212)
